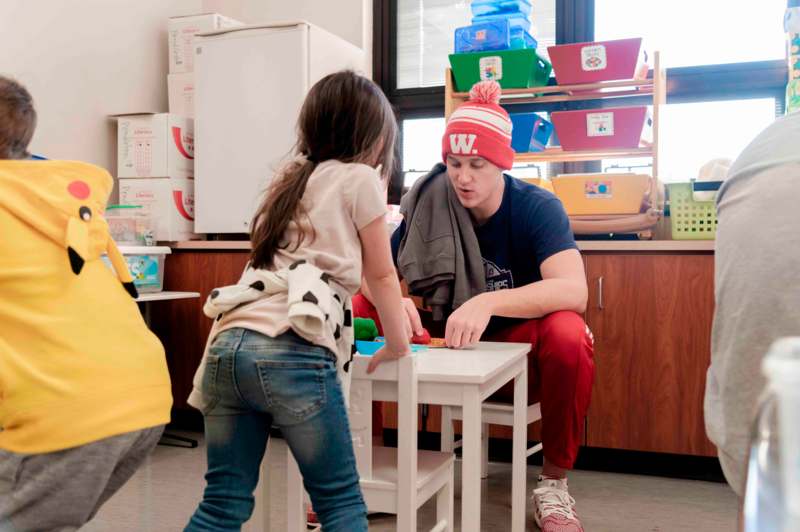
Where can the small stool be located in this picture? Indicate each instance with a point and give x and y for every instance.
(279, 472)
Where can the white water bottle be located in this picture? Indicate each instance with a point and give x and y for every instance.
(772, 495)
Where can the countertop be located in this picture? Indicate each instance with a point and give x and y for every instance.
(678, 246)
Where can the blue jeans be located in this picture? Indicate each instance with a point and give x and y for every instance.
(253, 382)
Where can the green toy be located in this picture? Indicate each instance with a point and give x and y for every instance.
(365, 329)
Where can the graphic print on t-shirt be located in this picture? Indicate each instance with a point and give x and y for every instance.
(497, 278)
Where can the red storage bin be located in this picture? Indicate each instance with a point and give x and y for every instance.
(602, 129)
(590, 62)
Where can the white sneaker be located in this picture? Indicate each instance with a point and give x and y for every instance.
(554, 509)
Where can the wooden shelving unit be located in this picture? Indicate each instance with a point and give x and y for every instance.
(655, 87)
(557, 155)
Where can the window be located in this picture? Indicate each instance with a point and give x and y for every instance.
(425, 36)
(723, 52)
(692, 32)
(692, 134)
(422, 147)
(725, 67)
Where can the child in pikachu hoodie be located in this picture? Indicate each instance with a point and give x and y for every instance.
(84, 388)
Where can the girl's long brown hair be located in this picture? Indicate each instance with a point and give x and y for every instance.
(345, 117)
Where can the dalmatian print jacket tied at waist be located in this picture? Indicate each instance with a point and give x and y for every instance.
(319, 310)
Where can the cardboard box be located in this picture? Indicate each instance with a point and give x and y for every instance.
(180, 88)
(181, 32)
(155, 145)
(169, 202)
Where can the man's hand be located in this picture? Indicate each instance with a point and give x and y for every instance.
(412, 319)
(466, 325)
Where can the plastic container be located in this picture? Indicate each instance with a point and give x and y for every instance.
(482, 8)
(483, 37)
(130, 224)
(521, 39)
(512, 69)
(591, 62)
(692, 219)
(602, 129)
(516, 21)
(764, 507)
(590, 194)
(530, 132)
(781, 366)
(146, 264)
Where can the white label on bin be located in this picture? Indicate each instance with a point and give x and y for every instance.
(600, 125)
(594, 57)
(491, 68)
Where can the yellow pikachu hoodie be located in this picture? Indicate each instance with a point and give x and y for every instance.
(77, 362)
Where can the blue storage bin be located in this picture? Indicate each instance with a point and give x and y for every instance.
(483, 37)
(522, 39)
(530, 132)
(516, 22)
(482, 8)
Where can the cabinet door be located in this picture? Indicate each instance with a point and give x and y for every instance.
(181, 325)
(651, 316)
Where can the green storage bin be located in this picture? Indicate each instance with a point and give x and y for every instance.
(692, 219)
(512, 69)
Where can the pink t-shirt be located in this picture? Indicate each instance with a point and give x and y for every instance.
(340, 199)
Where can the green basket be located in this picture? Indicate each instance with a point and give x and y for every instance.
(512, 69)
(692, 219)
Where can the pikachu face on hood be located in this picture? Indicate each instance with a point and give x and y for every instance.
(64, 201)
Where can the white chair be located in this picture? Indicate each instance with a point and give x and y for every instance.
(279, 471)
(492, 413)
(397, 480)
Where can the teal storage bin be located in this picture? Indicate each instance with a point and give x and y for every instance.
(495, 35)
(482, 8)
(515, 22)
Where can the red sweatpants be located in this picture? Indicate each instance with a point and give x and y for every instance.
(560, 376)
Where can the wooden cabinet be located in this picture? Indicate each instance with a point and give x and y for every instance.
(651, 317)
(652, 344)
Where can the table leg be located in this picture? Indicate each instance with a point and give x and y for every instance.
(471, 462)
(295, 500)
(167, 439)
(519, 458)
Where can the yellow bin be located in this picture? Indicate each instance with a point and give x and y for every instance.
(592, 194)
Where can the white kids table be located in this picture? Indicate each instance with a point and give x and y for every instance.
(466, 378)
(455, 377)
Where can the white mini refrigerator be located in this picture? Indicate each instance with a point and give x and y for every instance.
(249, 86)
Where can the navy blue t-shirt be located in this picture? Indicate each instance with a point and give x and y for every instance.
(529, 227)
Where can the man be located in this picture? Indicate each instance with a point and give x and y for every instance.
(84, 388)
(757, 292)
(533, 275)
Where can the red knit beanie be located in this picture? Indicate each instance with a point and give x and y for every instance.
(480, 127)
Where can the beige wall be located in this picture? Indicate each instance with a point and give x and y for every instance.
(86, 59)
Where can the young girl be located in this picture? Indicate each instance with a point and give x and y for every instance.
(278, 353)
